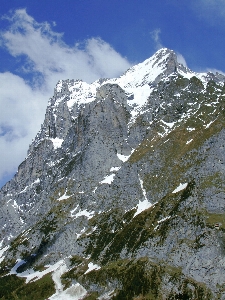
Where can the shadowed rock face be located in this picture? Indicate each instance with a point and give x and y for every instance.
(126, 175)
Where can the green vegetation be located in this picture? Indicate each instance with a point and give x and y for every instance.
(13, 287)
(9, 284)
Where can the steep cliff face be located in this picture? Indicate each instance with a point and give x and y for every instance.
(122, 193)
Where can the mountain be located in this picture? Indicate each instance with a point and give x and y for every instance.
(122, 192)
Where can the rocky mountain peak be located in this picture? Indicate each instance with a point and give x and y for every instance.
(121, 195)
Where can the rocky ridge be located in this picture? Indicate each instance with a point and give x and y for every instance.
(122, 195)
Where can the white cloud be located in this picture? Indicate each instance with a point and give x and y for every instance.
(48, 59)
(155, 34)
(49, 55)
(181, 59)
(22, 111)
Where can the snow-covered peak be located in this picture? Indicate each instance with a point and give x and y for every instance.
(138, 82)
(147, 71)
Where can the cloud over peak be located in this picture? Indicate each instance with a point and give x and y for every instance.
(47, 59)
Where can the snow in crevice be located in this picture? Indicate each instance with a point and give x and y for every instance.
(94, 189)
(142, 187)
(208, 125)
(181, 187)
(164, 219)
(73, 210)
(63, 197)
(160, 221)
(188, 142)
(30, 186)
(2, 251)
(142, 205)
(81, 232)
(1, 243)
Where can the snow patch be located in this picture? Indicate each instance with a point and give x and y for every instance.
(91, 267)
(181, 187)
(57, 143)
(31, 274)
(190, 128)
(123, 157)
(170, 125)
(114, 169)
(82, 93)
(141, 94)
(108, 179)
(56, 277)
(75, 292)
(84, 213)
(142, 205)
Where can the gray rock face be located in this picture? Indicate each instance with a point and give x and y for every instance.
(126, 171)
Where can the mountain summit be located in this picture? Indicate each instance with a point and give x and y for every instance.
(122, 193)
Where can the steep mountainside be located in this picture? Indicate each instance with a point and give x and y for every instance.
(122, 193)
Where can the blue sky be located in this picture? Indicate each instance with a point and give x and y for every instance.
(47, 40)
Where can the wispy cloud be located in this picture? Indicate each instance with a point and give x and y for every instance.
(213, 10)
(48, 59)
(181, 59)
(155, 34)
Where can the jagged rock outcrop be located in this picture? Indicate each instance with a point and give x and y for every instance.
(122, 192)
